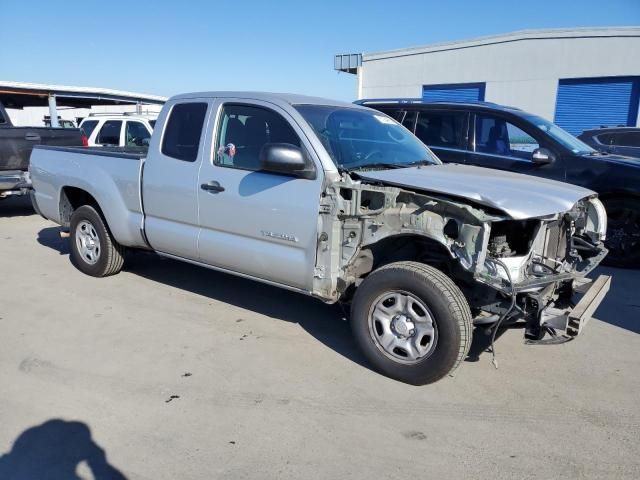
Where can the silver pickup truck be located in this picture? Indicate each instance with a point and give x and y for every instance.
(340, 202)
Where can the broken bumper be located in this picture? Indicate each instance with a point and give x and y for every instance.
(570, 322)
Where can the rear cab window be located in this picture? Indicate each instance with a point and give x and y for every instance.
(183, 131)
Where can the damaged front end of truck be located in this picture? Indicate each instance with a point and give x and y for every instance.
(527, 270)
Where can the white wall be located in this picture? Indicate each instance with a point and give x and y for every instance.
(521, 73)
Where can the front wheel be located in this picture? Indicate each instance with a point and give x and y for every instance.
(623, 232)
(411, 322)
(93, 250)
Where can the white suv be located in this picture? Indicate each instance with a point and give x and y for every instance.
(118, 130)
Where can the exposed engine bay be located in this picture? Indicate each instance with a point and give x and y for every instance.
(509, 269)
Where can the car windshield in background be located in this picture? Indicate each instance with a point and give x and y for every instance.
(560, 135)
(152, 123)
(356, 138)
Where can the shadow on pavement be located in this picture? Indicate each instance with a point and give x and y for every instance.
(56, 450)
(621, 306)
(481, 342)
(323, 322)
(16, 207)
(50, 237)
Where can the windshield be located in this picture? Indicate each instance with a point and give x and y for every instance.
(560, 135)
(358, 138)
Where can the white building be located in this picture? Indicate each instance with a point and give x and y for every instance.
(579, 78)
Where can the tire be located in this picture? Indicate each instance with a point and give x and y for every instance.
(93, 249)
(623, 233)
(430, 352)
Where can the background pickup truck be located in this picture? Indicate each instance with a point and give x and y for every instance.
(16, 144)
(340, 202)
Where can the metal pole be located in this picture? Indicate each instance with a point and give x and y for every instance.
(139, 108)
(53, 111)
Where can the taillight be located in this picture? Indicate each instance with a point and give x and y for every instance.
(85, 140)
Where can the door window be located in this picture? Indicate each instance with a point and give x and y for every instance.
(404, 117)
(88, 126)
(409, 120)
(2, 120)
(244, 130)
(182, 134)
(110, 133)
(136, 135)
(628, 139)
(395, 113)
(498, 137)
(606, 138)
(442, 129)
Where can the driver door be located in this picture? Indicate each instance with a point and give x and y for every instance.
(254, 222)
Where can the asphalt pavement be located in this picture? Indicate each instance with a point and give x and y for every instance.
(171, 371)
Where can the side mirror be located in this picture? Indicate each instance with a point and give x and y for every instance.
(285, 159)
(542, 156)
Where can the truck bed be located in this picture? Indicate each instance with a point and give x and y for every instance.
(111, 174)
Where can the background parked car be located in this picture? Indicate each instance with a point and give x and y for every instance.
(118, 130)
(618, 140)
(490, 135)
(16, 144)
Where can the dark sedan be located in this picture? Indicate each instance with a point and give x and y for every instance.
(494, 136)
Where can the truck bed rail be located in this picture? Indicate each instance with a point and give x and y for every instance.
(132, 153)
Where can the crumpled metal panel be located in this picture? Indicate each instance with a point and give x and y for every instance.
(519, 196)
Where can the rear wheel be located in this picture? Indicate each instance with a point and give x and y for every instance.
(93, 249)
(411, 322)
(623, 232)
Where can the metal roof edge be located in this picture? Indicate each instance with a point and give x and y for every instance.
(86, 92)
(519, 35)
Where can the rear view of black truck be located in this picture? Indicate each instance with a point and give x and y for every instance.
(16, 144)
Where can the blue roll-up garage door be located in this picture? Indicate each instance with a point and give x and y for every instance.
(586, 103)
(455, 92)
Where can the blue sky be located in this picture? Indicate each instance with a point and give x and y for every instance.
(168, 47)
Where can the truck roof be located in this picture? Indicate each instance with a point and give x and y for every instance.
(289, 98)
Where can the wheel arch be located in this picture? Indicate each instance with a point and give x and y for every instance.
(124, 224)
(410, 247)
(72, 198)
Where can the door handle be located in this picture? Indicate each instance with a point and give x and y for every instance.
(32, 136)
(213, 187)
